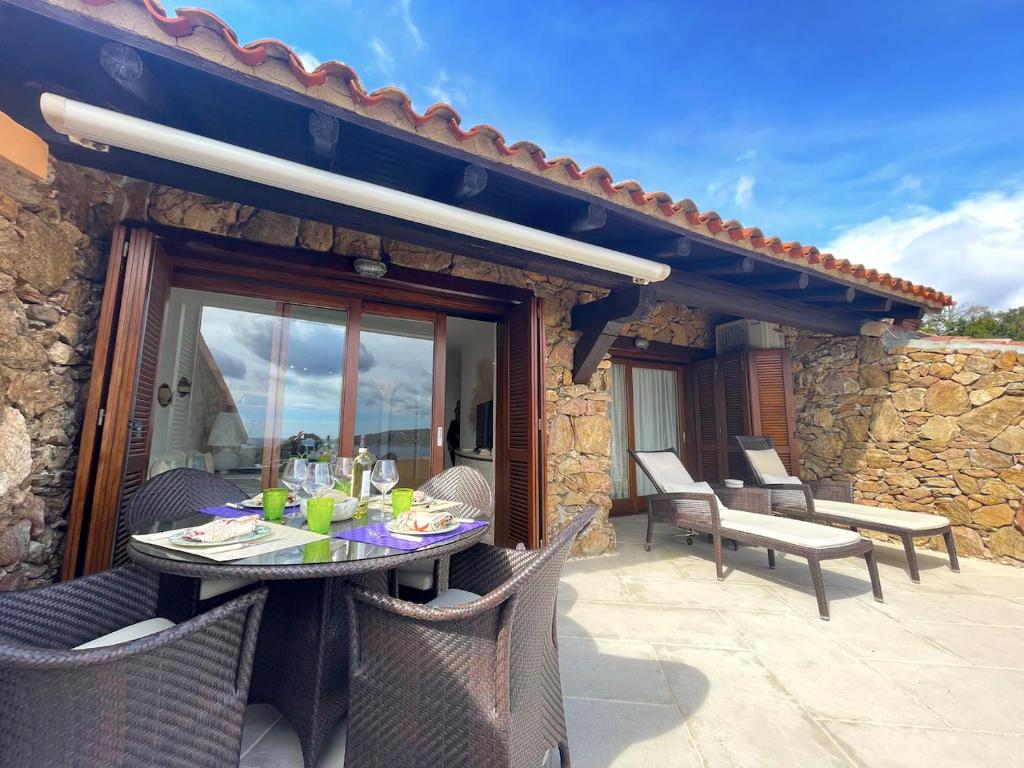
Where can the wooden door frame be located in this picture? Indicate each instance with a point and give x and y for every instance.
(634, 504)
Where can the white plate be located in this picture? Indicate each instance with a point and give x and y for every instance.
(253, 504)
(394, 528)
(261, 532)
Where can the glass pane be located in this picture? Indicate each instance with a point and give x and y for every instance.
(213, 377)
(655, 415)
(394, 404)
(620, 435)
(313, 359)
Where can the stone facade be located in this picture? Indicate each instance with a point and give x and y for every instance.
(920, 426)
(54, 238)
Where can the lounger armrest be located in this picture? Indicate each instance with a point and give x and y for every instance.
(746, 499)
(832, 490)
(792, 500)
(687, 508)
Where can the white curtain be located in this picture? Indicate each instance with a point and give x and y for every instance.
(655, 416)
(620, 439)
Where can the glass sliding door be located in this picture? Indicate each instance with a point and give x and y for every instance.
(395, 399)
(646, 412)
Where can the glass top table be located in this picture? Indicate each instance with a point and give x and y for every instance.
(341, 558)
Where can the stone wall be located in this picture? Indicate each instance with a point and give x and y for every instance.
(921, 426)
(54, 238)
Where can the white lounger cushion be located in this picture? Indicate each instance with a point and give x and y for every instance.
(131, 632)
(692, 488)
(767, 462)
(663, 467)
(452, 597)
(418, 575)
(797, 532)
(914, 521)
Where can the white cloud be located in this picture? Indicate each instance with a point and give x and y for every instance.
(750, 154)
(973, 251)
(309, 61)
(383, 61)
(907, 183)
(744, 190)
(446, 90)
(403, 8)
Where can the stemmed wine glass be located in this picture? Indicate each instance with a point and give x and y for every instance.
(318, 476)
(294, 475)
(342, 469)
(384, 477)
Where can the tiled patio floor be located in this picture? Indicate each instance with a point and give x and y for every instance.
(665, 666)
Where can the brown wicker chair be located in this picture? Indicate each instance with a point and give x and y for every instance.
(466, 486)
(173, 495)
(698, 510)
(475, 684)
(173, 699)
(831, 502)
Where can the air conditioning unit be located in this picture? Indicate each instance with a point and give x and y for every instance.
(741, 335)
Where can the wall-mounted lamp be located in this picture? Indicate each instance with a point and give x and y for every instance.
(641, 343)
(371, 268)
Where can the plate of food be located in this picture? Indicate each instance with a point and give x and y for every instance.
(256, 502)
(226, 530)
(422, 523)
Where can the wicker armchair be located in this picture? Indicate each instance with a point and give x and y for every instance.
(174, 699)
(466, 486)
(475, 684)
(172, 495)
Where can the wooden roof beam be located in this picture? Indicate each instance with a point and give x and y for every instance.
(599, 323)
(794, 281)
(837, 295)
(730, 266)
(469, 182)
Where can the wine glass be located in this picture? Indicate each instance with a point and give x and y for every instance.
(294, 475)
(384, 477)
(342, 469)
(318, 477)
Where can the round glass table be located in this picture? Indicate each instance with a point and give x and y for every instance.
(302, 652)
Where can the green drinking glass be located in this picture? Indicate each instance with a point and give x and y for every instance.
(317, 552)
(401, 501)
(318, 514)
(274, 500)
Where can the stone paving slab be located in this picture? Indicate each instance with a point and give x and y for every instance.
(663, 665)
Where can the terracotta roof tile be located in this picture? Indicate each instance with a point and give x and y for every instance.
(683, 212)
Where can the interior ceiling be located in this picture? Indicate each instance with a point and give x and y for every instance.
(194, 100)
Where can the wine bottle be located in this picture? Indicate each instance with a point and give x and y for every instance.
(362, 467)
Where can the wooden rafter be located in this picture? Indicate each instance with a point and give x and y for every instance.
(599, 323)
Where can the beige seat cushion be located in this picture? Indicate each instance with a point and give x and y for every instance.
(797, 532)
(125, 634)
(767, 462)
(418, 575)
(869, 516)
(663, 467)
(213, 587)
(452, 597)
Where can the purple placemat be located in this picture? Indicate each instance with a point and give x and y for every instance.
(378, 535)
(225, 511)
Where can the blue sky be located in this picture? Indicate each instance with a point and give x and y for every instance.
(890, 133)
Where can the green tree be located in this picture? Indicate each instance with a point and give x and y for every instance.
(977, 322)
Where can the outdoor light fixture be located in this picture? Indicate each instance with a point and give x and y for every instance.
(371, 267)
(83, 122)
(641, 343)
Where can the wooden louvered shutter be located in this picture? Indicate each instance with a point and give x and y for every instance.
(735, 401)
(124, 442)
(708, 421)
(519, 450)
(772, 413)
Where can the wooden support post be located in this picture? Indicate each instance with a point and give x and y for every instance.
(600, 322)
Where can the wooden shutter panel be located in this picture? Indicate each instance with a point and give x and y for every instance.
(734, 395)
(771, 402)
(707, 420)
(518, 482)
(124, 439)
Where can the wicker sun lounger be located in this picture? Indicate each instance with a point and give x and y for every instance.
(694, 507)
(831, 502)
